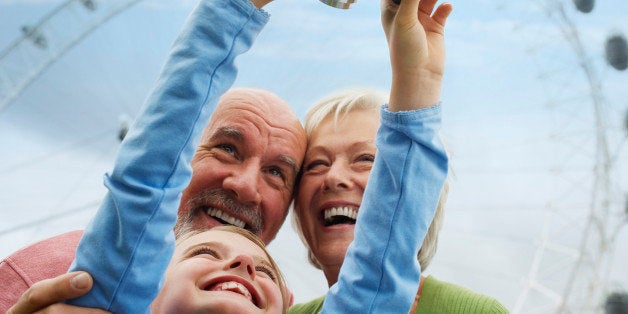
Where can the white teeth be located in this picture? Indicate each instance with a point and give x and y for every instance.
(233, 287)
(224, 216)
(341, 211)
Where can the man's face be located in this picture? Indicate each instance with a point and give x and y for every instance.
(245, 167)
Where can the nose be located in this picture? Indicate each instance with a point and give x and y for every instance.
(244, 264)
(338, 177)
(243, 181)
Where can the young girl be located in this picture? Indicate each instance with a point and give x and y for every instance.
(223, 270)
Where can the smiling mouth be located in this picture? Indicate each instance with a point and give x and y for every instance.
(226, 219)
(234, 287)
(339, 216)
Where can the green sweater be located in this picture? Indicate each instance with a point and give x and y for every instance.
(436, 297)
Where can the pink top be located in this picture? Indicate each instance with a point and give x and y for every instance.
(43, 260)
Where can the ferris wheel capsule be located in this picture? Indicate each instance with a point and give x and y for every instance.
(616, 302)
(617, 52)
(584, 6)
(89, 4)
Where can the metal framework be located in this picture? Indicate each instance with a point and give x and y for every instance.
(45, 42)
(587, 265)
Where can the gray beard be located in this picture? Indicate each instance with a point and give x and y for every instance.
(222, 199)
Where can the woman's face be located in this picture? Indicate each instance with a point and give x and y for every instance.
(219, 272)
(336, 167)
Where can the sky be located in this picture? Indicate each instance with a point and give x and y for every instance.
(518, 118)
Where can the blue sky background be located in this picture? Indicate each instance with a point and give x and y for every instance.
(518, 118)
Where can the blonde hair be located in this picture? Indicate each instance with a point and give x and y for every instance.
(339, 105)
(281, 282)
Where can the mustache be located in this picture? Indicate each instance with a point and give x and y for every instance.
(221, 199)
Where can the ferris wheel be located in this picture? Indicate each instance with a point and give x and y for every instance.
(569, 270)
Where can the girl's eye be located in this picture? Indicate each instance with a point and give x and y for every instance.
(267, 271)
(205, 251)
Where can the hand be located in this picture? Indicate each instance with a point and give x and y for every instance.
(415, 35)
(45, 296)
(260, 3)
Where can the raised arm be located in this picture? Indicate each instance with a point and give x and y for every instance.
(119, 249)
(380, 272)
(415, 35)
(128, 245)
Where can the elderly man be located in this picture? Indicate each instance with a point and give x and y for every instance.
(243, 171)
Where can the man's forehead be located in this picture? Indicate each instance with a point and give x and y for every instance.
(275, 117)
(258, 101)
(281, 130)
(241, 131)
(260, 115)
(279, 151)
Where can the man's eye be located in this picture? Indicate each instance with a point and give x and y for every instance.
(276, 172)
(227, 148)
(267, 271)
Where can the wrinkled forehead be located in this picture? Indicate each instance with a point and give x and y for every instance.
(262, 110)
(264, 104)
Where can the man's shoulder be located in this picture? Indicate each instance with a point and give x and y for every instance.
(42, 260)
(51, 251)
(451, 298)
(314, 306)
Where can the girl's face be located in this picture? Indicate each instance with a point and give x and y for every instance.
(219, 272)
(336, 167)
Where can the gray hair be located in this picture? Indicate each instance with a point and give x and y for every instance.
(339, 104)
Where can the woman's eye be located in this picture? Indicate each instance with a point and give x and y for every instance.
(267, 271)
(314, 165)
(366, 158)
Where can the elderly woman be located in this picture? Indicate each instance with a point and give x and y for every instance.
(342, 131)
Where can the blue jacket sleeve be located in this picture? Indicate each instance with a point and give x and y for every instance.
(128, 244)
(380, 273)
